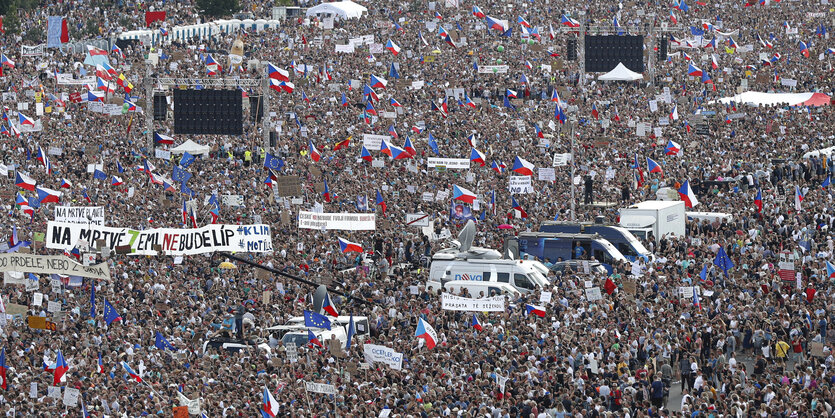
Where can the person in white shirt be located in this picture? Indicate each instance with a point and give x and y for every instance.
(699, 383)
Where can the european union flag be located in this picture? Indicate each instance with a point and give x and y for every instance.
(186, 160)
(213, 201)
(180, 175)
(695, 31)
(99, 175)
(185, 190)
(723, 261)
(273, 162)
(162, 343)
(313, 319)
(110, 314)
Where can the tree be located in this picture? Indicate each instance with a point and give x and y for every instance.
(217, 8)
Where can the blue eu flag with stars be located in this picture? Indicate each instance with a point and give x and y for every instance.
(313, 319)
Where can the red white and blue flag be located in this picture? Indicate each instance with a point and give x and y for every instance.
(687, 195)
(427, 333)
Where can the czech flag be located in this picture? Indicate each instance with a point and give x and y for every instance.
(408, 147)
(270, 404)
(687, 195)
(496, 24)
(24, 182)
(462, 194)
(477, 157)
(327, 305)
(674, 113)
(535, 310)
(369, 108)
(594, 111)
(804, 50)
(521, 20)
(522, 167)
(277, 73)
(538, 131)
(212, 66)
(3, 381)
(567, 21)
(391, 46)
(381, 202)
(395, 103)
(385, 148)
(284, 86)
(694, 71)
(711, 44)
(24, 120)
(65, 184)
(377, 82)
(313, 340)
(499, 168)
(131, 373)
(654, 167)
(798, 197)
(48, 195)
(714, 63)
(673, 17)
(518, 207)
(476, 324)
(6, 61)
(116, 181)
(758, 201)
(95, 96)
(393, 132)
(163, 139)
(427, 333)
(468, 101)
(438, 16)
(314, 153)
(478, 13)
(511, 94)
(347, 246)
(731, 43)
(673, 148)
(60, 372)
(100, 364)
(365, 155)
(830, 271)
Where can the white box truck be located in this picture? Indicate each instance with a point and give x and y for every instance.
(656, 217)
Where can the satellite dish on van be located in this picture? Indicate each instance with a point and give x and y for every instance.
(466, 236)
(319, 298)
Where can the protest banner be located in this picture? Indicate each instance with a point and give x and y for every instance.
(493, 69)
(417, 219)
(338, 221)
(382, 354)
(449, 163)
(373, 142)
(450, 302)
(593, 294)
(51, 264)
(520, 185)
(80, 214)
(288, 186)
(320, 388)
(206, 239)
(67, 79)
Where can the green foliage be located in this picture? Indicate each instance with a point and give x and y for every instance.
(35, 34)
(217, 8)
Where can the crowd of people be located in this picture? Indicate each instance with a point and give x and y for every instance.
(752, 343)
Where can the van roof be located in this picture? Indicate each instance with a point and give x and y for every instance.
(566, 235)
(656, 204)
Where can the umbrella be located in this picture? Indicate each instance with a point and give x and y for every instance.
(227, 265)
(505, 226)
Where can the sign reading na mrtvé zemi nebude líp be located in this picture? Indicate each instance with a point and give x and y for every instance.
(206, 239)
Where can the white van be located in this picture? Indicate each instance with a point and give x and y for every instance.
(484, 265)
(296, 332)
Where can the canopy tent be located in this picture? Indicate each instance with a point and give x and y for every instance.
(621, 73)
(756, 98)
(344, 9)
(192, 148)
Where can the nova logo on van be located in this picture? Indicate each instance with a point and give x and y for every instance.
(468, 277)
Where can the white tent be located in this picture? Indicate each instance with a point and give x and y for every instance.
(621, 73)
(344, 9)
(192, 148)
